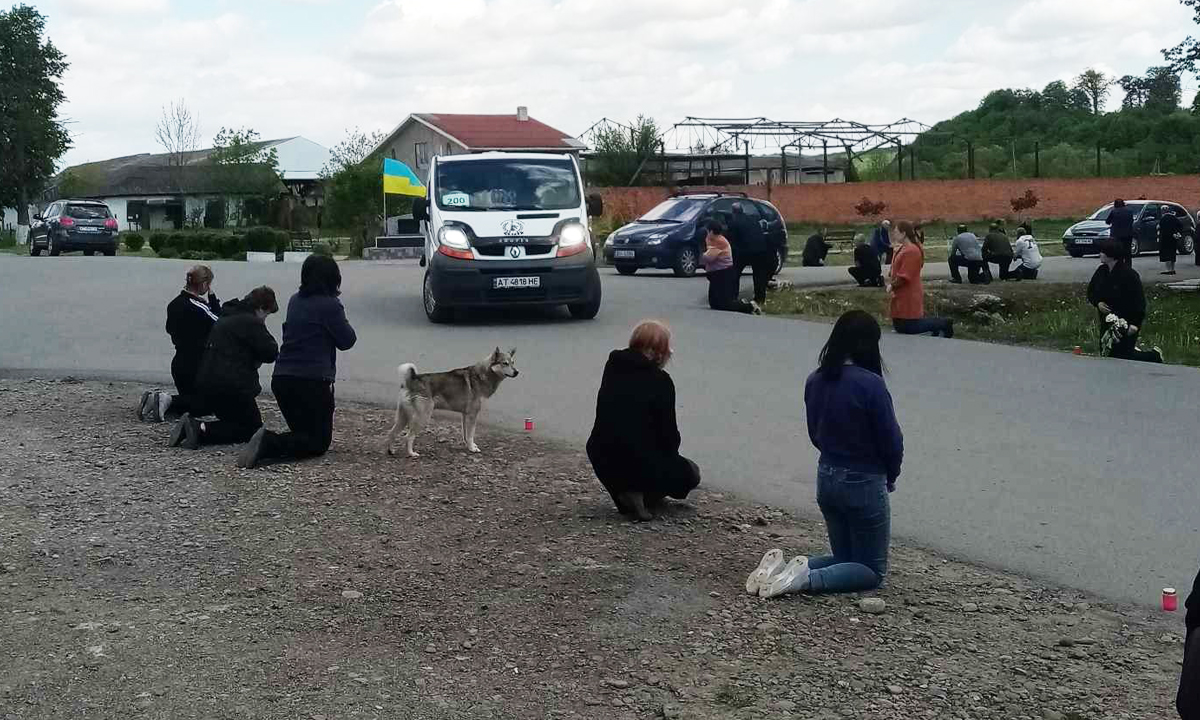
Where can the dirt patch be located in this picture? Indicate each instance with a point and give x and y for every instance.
(138, 581)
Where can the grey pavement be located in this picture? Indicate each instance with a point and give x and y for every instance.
(1081, 471)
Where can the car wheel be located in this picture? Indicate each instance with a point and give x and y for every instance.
(1135, 247)
(52, 247)
(627, 269)
(686, 261)
(34, 250)
(1187, 245)
(110, 251)
(433, 309)
(586, 310)
(781, 260)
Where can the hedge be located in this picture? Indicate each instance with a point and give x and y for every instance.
(134, 242)
(158, 241)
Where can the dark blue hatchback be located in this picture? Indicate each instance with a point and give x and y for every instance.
(671, 236)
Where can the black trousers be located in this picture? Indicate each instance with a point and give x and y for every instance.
(1126, 349)
(1020, 272)
(723, 291)
(934, 326)
(307, 406)
(184, 369)
(864, 279)
(976, 270)
(763, 265)
(1003, 262)
(237, 420)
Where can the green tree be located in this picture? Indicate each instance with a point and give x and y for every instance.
(1163, 89)
(1184, 56)
(354, 187)
(621, 154)
(1095, 86)
(32, 138)
(245, 166)
(1136, 91)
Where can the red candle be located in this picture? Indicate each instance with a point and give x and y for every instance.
(528, 424)
(1170, 600)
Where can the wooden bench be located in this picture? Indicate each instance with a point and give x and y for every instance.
(302, 241)
(842, 241)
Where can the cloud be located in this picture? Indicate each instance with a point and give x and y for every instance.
(111, 8)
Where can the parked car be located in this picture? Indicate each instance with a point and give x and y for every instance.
(671, 236)
(1081, 238)
(68, 225)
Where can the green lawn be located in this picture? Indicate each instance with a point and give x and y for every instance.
(1053, 316)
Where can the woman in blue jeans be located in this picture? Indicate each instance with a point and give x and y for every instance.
(852, 423)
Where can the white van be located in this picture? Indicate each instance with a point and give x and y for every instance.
(507, 229)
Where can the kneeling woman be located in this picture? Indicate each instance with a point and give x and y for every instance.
(634, 446)
(852, 423)
(227, 383)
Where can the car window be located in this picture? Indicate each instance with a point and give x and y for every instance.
(768, 212)
(1151, 212)
(1101, 214)
(751, 210)
(88, 212)
(675, 209)
(51, 211)
(507, 184)
(722, 205)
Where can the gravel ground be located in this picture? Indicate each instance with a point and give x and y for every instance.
(138, 581)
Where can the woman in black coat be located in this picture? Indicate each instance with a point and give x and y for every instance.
(1187, 702)
(634, 446)
(1170, 230)
(191, 316)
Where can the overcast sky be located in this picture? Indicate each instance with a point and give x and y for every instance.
(318, 67)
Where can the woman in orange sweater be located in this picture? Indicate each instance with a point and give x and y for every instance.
(906, 291)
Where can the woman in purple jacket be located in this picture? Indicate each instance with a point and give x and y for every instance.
(852, 422)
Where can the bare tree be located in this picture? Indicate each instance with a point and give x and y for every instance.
(1095, 85)
(351, 151)
(178, 131)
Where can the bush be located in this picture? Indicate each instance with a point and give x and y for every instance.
(241, 256)
(8, 238)
(168, 252)
(283, 241)
(180, 242)
(231, 246)
(322, 249)
(260, 239)
(208, 256)
(134, 242)
(190, 255)
(158, 241)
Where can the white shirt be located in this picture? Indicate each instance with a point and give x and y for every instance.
(1026, 250)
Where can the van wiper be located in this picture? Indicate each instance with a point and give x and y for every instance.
(661, 220)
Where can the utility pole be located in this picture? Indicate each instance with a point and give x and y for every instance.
(747, 145)
(900, 160)
(783, 166)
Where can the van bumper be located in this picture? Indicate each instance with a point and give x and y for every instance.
(473, 283)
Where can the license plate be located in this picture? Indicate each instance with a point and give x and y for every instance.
(624, 254)
(512, 283)
(1083, 241)
(88, 228)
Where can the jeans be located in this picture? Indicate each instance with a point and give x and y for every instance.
(936, 326)
(977, 271)
(723, 291)
(858, 519)
(307, 406)
(763, 264)
(237, 420)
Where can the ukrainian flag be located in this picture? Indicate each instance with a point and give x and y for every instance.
(399, 179)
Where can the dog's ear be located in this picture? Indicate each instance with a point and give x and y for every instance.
(512, 353)
(496, 355)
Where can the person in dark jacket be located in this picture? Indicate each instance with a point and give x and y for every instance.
(881, 242)
(634, 445)
(1187, 701)
(867, 270)
(997, 250)
(1116, 291)
(815, 251)
(1120, 219)
(750, 249)
(852, 422)
(314, 330)
(1170, 232)
(227, 383)
(190, 318)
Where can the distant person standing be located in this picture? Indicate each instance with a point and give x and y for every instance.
(881, 242)
(1027, 255)
(966, 250)
(190, 318)
(750, 249)
(867, 270)
(1121, 218)
(1116, 292)
(907, 291)
(719, 271)
(1170, 232)
(815, 251)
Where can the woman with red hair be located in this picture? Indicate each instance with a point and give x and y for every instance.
(634, 446)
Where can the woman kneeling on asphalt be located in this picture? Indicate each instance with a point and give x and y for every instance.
(227, 383)
(191, 316)
(313, 331)
(634, 446)
(906, 290)
(852, 423)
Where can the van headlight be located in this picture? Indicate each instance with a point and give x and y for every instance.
(454, 237)
(572, 235)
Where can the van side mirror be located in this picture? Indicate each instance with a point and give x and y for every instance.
(420, 209)
(595, 205)
(38, 216)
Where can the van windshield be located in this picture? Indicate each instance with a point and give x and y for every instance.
(503, 184)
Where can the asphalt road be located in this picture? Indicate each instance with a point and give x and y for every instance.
(1082, 471)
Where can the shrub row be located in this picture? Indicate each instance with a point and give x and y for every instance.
(213, 246)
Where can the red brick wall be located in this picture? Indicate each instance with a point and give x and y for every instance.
(936, 199)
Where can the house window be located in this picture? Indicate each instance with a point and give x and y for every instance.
(421, 154)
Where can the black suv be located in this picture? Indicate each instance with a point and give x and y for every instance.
(68, 225)
(1082, 237)
(672, 234)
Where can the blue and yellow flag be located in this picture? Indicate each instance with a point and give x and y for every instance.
(399, 179)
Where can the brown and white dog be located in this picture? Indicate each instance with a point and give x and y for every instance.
(463, 391)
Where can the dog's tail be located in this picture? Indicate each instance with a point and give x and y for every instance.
(408, 371)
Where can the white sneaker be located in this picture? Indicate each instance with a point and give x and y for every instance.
(164, 404)
(792, 578)
(144, 407)
(756, 307)
(771, 563)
